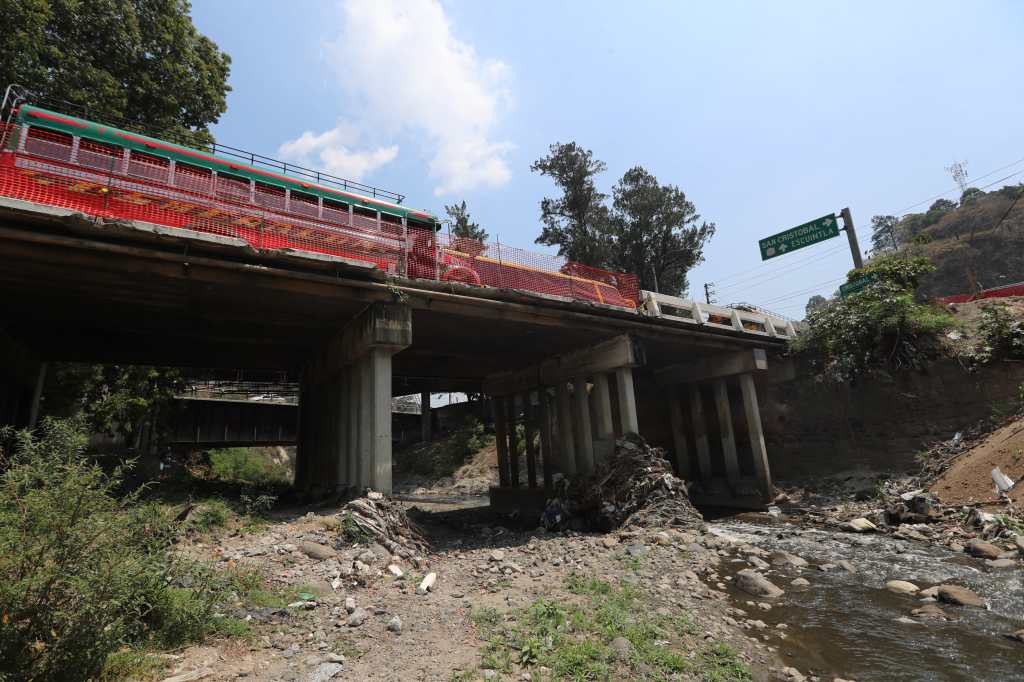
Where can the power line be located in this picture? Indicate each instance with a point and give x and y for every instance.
(762, 277)
(786, 297)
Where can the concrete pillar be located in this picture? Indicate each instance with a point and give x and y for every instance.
(354, 383)
(37, 394)
(341, 414)
(545, 439)
(529, 432)
(501, 439)
(732, 465)
(700, 434)
(603, 407)
(584, 434)
(627, 400)
(379, 374)
(513, 440)
(682, 452)
(566, 440)
(425, 416)
(760, 453)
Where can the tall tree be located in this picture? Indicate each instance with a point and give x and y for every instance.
(883, 233)
(659, 235)
(578, 221)
(118, 61)
(462, 225)
(815, 302)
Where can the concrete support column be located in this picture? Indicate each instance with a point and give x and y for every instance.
(682, 451)
(700, 434)
(604, 426)
(354, 384)
(732, 464)
(566, 440)
(379, 419)
(425, 417)
(627, 400)
(584, 435)
(342, 413)
(501, 440)
(760, 453)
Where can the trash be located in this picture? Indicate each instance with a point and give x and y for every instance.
(1003, 482)
(635, 486)
(383, 520)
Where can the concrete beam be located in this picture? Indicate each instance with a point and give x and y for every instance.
(381, 326)
(607, 356)
(713, 367)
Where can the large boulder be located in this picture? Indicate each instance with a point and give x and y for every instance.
(983, 550)
(901, 587)
(752, 582)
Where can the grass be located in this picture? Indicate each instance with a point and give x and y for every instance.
(571, 638)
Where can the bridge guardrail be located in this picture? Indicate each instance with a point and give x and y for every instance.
(707, 314)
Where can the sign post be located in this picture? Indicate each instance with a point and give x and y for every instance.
(857, 284)
(799, 237)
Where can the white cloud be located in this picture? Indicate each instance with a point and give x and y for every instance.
(406, 72)
(331, 152)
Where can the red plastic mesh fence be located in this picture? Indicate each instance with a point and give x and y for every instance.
(109, 182)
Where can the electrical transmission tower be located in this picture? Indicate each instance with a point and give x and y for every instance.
(959, 172)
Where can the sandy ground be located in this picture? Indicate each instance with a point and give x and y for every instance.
(969, 479)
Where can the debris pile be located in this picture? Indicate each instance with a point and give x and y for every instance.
(378, 518)
(634, 488)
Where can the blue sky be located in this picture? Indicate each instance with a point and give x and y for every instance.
(765, 114)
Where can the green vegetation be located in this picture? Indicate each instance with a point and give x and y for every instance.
(573, 638)
(878, 329)
(462, 226)
(444, 456)
(131, 60)
(1001, 335)
(651, 230)
(247, 465)
(87, 579)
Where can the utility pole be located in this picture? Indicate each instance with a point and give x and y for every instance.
(851, 235)
(709, 291)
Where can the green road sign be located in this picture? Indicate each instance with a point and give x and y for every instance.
(856, 285)
(798, 237)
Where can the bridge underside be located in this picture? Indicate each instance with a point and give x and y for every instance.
(81, 289)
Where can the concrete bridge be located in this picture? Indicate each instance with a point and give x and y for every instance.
(575, 374)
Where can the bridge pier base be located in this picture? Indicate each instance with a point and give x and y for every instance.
(722, 479)
(345, 405)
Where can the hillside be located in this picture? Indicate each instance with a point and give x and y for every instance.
(975, 245)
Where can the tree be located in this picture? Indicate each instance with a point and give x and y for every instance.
(970, 194)
(658, 234)
(462, 226)
(883, 233)
(815, 302)
(118, 61)
(578, 221)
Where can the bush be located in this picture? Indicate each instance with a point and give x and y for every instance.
(247, 465)
(880, 328)
(83, 570)
(442, 458)
(1001, 335)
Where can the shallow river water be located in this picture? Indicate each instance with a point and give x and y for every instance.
(846, 624)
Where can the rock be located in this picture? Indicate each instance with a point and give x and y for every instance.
(637, 551)
(329, 522)
(609, 541)
(825, 568)
(1001, 563)
(757, 563)
(395, 624)
(395, 570)
(350, 604)
(846, 566)
(490, 674)
(1017, 636)
(929, 593)
(367, 556)
(859, 525)
(661, 538)
(901, 587)
(357, 618)
(929, 611)
(961, 596)
(800, 583)
(316, 551)
(983, 550)
(621, 648)
(752, 582)
(497, 556)
(1019, 541)
(323, 672)
(793, 674)
(427, 584)
(780, 558)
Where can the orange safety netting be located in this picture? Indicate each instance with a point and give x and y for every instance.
(97, 180)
